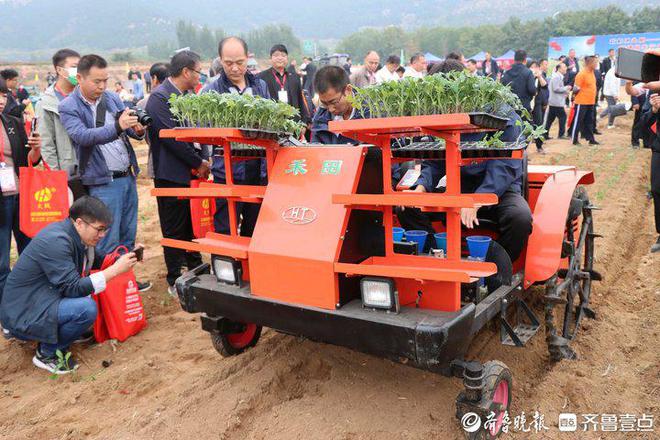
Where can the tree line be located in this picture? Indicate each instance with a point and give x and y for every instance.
(204, 40)
(531, 35)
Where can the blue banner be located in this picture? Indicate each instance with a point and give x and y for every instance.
(600, 44)
(641, 42)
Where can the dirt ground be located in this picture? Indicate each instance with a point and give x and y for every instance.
(169, 382)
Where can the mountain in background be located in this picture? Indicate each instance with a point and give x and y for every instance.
(40, 25)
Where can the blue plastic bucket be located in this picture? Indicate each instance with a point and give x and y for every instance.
(478, 246)
(441, 241)
(397, 234)
(418, 237)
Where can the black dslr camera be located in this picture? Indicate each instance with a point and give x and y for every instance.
(143, 116)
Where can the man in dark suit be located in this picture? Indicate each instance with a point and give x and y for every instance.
(17, 98)
(490, 68)
(573, 68)
(282, 85)
(174, 163)
(308, 69)
(234, 77)
(605, 67)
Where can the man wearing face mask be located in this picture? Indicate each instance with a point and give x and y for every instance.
(235, 78)
(56, 147)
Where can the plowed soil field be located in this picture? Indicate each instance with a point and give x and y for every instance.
(170, 383)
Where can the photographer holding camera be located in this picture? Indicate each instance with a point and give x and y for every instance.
(99, 126)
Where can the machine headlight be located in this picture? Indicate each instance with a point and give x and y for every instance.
(379, 293)
(227, 270)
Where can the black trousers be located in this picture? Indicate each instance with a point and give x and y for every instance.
(556, 113)
(655, 187)
(537, 121)
(583, 123)
(246, 213)
(512, 216)
(176, 223)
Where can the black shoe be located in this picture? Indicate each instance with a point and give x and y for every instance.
(85, 337)
(143, 286)
(635, 146)
(577, 143)
(656, 247)
(53, 364)
(562, 137)
(594, 143)
(540, 151)
(597, 132)
(547, 138)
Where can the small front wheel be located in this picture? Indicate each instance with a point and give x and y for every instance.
(231, 344)
(485, 419)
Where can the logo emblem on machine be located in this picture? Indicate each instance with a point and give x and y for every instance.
(298, 215)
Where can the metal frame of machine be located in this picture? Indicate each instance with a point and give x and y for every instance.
(300, 271)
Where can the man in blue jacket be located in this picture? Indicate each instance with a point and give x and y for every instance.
(174, 162)
(235, 78)
(47, 295)
(333, 85)
(501, 177)
(98, 125)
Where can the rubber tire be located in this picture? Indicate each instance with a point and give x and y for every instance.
(494, 373)
(226, 349)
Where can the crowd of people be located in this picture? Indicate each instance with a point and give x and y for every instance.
(87, 130)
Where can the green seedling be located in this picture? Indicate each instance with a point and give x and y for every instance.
(234, 111)
(62, 362)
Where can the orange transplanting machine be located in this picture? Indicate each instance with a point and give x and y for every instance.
(322, 262)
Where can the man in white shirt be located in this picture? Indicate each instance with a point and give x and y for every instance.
(388, 72)
(417, 68)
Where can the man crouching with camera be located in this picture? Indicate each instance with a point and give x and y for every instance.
(47, 294)
(99, 126)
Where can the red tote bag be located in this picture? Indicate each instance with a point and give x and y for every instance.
(201, 211)
(43, 198)
(120, 309)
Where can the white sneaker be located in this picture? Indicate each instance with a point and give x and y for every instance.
(611, 126)
(7, 334)
(171, 290)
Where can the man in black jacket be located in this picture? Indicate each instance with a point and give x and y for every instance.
(521, 79)
(174, 163)
(17, 98)
(282, 85)
(573, 68)
(490, 68)
(308, 69)
(650, 121)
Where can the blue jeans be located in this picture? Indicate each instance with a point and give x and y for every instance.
(74, 317)
(120, 196)
(8, 224)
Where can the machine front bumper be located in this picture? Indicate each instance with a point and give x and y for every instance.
(428, 339)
